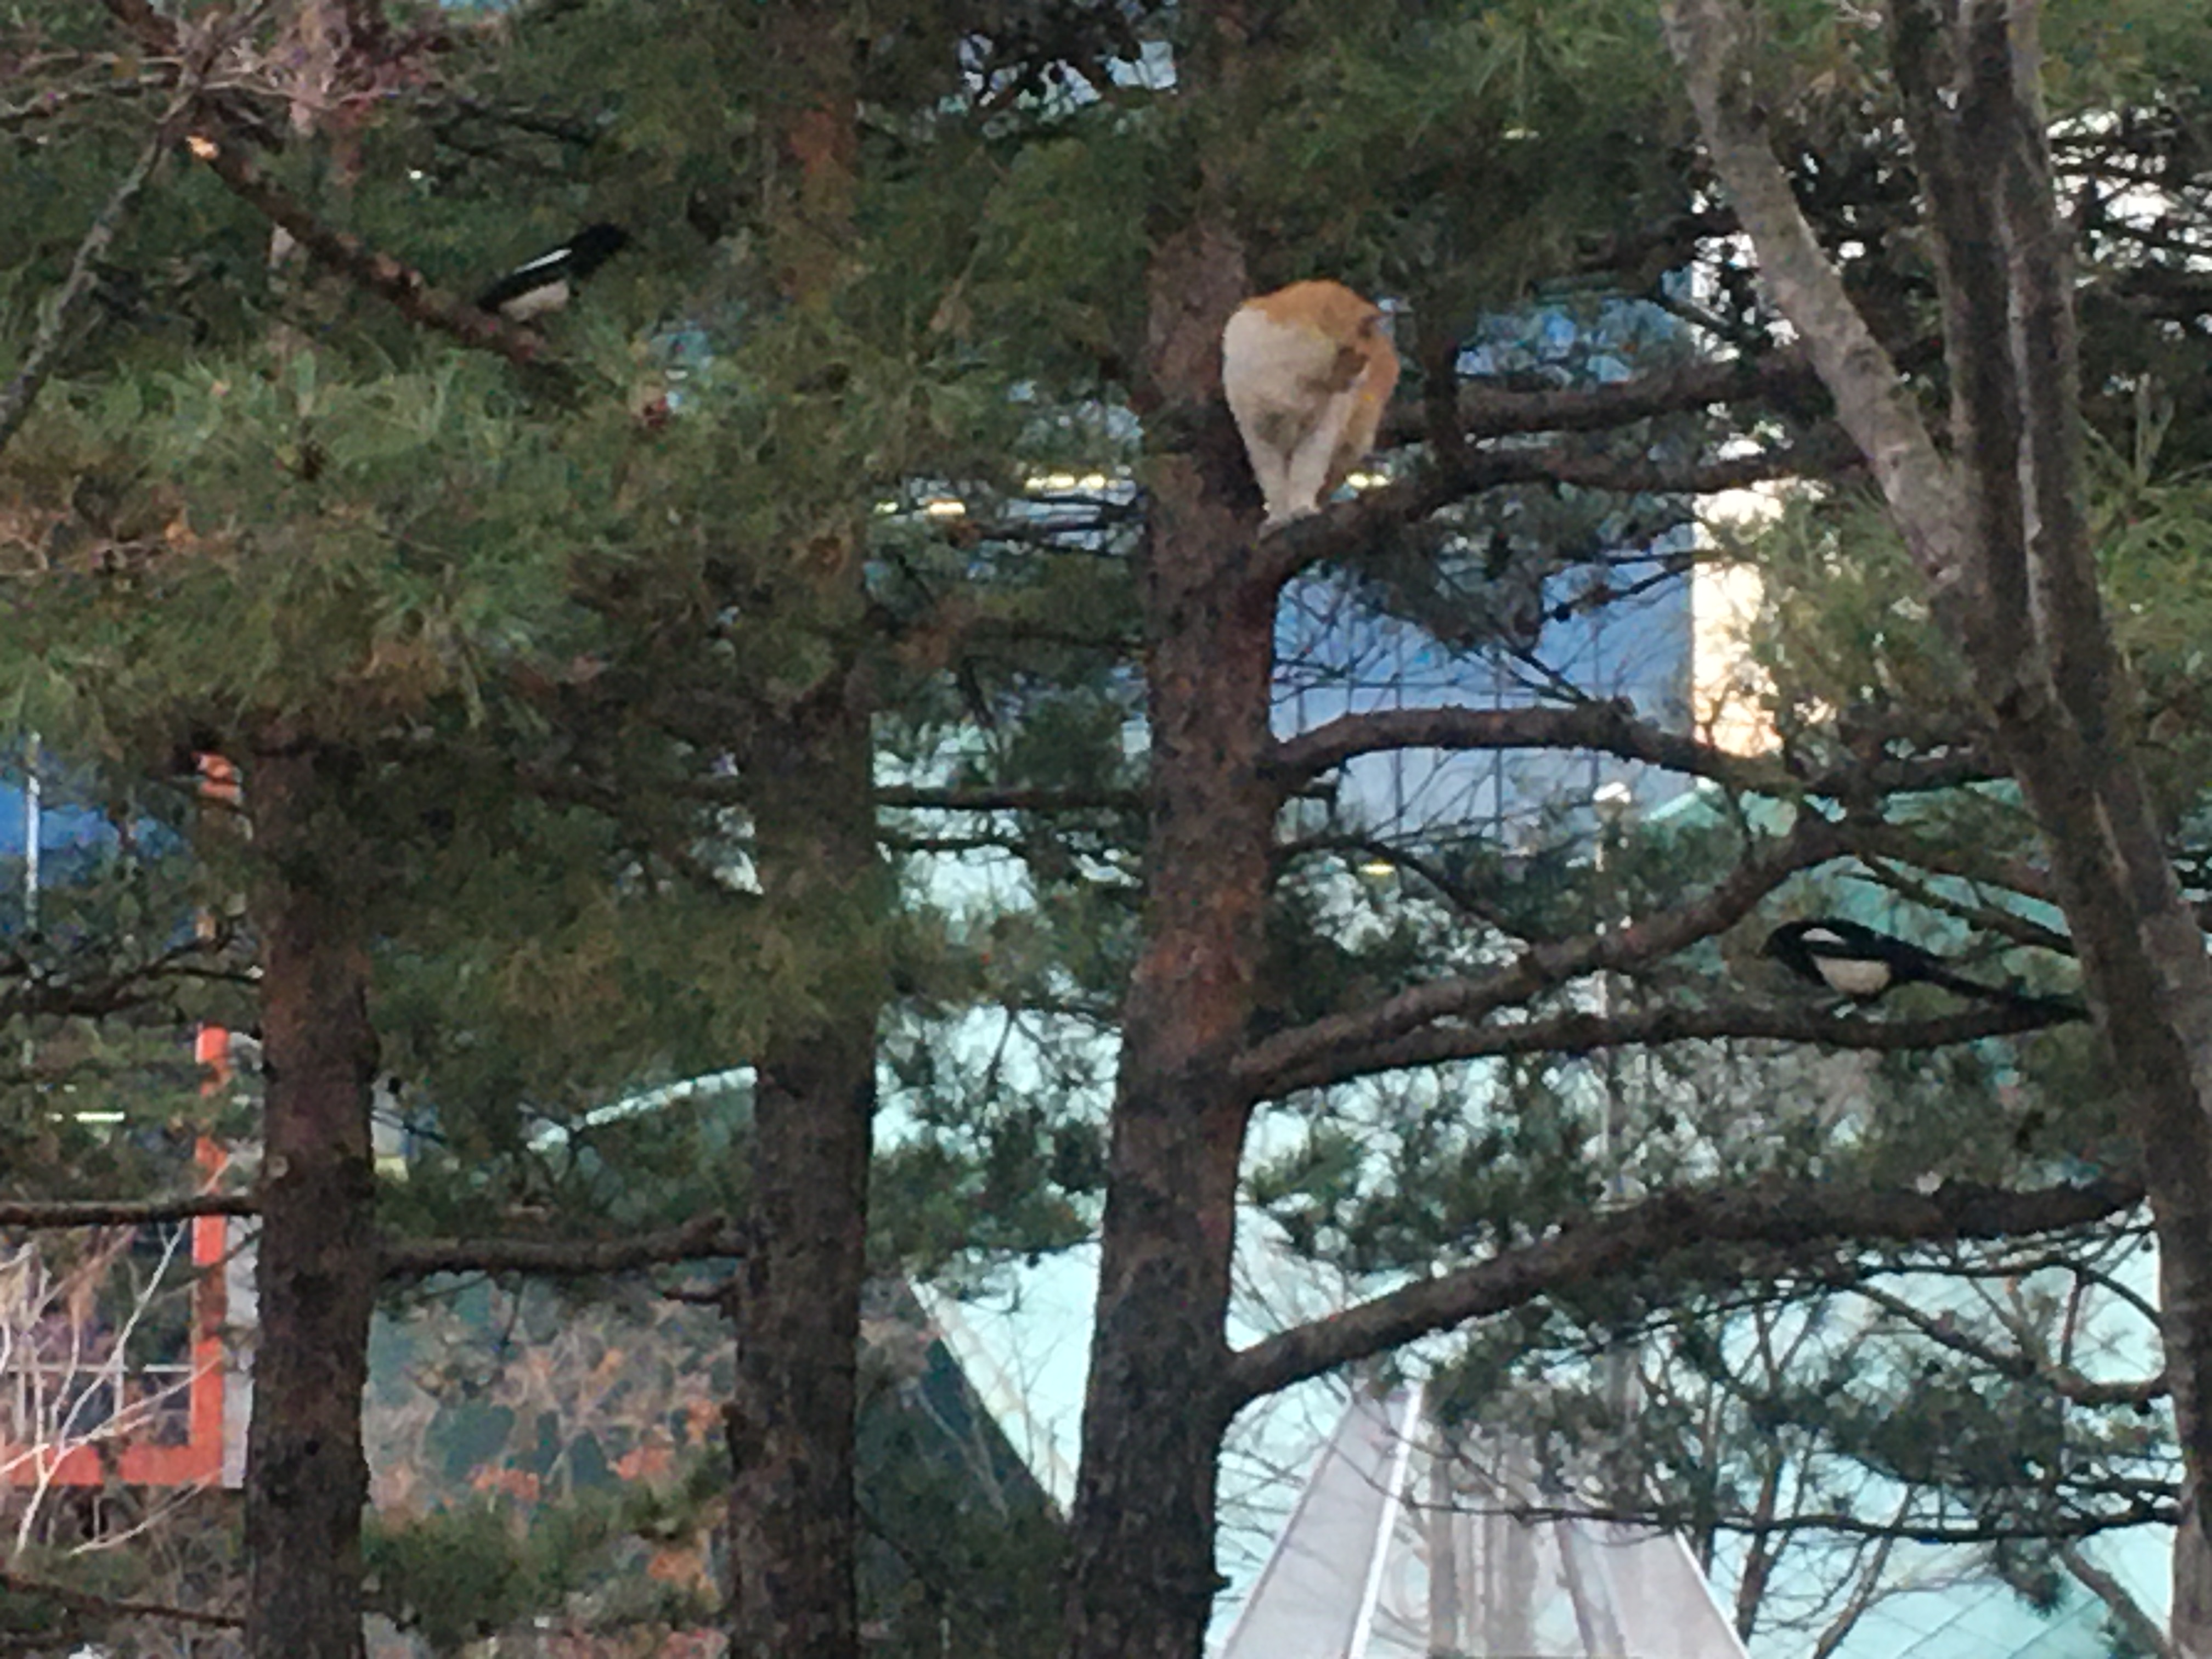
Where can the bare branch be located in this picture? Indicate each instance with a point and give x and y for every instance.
(568, 129)
(1458, 895)
(50, 102)
(1788, 1213)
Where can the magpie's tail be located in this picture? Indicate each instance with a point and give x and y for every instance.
(2026, 1002)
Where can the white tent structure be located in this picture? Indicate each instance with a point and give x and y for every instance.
(1404, 1545)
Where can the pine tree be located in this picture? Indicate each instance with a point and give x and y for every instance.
(606, 624)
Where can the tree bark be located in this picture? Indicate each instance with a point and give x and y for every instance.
(306, 1476)
(795, 1303)
(1999, 529)
(1143, 1570)
(795, 1306)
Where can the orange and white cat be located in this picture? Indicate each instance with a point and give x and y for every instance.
(1308, 370)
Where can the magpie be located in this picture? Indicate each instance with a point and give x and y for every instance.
(1862, 962)
(546, 283)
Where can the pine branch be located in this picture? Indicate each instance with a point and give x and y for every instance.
(1788, 1213)
(407, 289)
(29, 988)
(1873, 1584)
(51, 103)
(985, 798)
(701, 1238)
(1297, 1051)
(2128, 1614)
(77, 288)
(2153, 1511)
(568, 129)
(2063, 1381)
(108, 1606)
(1587, 1033)
(1982, 918)
(1491, 412)
(221, 145)
(37, 1215)
(1341, 530)
(1872, 400)
(1610, 727)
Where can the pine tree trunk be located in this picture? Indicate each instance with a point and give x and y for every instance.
(795, 1306)
(1143, 1565)
(306, 1476)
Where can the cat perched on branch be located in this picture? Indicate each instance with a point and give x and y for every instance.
(1308, 370)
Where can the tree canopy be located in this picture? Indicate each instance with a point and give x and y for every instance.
(838, 648)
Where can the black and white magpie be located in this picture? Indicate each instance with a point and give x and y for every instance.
(1862, 962)
(546, 283)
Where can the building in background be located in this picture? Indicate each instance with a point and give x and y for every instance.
(1412, 1541)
